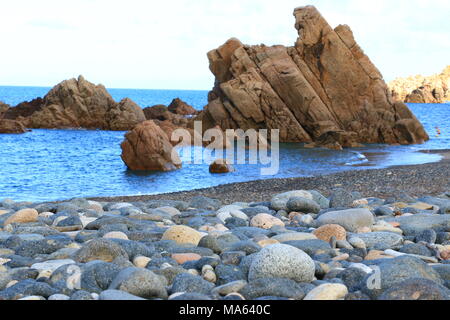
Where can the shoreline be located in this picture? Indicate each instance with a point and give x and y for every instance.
(423, 179)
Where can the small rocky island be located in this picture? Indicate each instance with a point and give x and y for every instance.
(420, 89)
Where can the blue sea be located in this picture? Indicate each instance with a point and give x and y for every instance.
(47, 165)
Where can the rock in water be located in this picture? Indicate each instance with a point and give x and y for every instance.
(221, 166)
(180, 107)
(11, 126)
(77, 103)
(147, 147)
(3, 108)
(420, 89)
(284, 261)
(322, 89)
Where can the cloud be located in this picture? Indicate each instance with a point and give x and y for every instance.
(163, 44)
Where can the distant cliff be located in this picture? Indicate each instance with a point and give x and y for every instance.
(420, 89)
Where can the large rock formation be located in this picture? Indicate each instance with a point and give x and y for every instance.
(11, 126)
(420, 89)
(147, 147)
(3, 108)
(77, 103)
(7, 125)
(323, 87)
(180, 107)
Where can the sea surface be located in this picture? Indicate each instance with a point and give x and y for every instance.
(47, 165)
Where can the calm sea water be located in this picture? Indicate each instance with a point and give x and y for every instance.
(45, 165)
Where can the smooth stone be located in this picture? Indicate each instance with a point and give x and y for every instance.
(229, 208)
(400, 254)
(443, 270)
(118, 295)
(100, 249)
(182, 235)
(304, 205)
(394, 271)
(186, 282)
(357, 242)
(279, 201)
(323, 202)
(416, 289)
(96, 276)
(384, 211)
(33, 298)
(327, 292)
(385, 239)
(139, 282)
(415, 224)
(170, 210)
(115, 235)
(417, 249)
(22, 216)
(294, 236)
(229, 288)
(58, 297)
(205, 203)
(326, 232)
(51, 265)
(281, 260)
(26, 288)
(265, 221)
(311, 247)
(352, 220)
(229, 273)
(341, 198)
(279, 287)
(428, 236)
(190, 296)
(181, 258)
(443, 204)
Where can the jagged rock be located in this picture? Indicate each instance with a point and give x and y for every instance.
(420, 89)
(11, 126)
(158, 112)
(147, 147)
(3, 108)
(180, 107)
(24, 109)
(77, 103)
(322, 89)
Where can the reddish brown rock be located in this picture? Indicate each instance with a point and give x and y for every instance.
(77, 103)
(11, 126)
(323, 88)
(147, 147)
(158, 112)
(420, 89)
(180, 107)
(3, 108)
(220, 166)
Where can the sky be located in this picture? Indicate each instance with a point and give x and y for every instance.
(163, 44)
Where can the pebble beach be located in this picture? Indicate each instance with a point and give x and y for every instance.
(357, 235)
